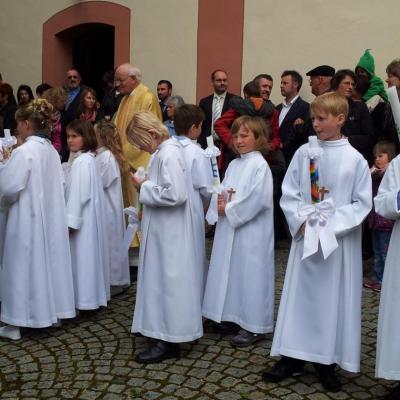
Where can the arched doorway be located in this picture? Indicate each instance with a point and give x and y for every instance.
(92, 50)
(93, 36)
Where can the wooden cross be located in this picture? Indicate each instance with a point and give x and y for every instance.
(323, 190)
(231, 192)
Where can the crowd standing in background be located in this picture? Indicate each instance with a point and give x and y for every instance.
(324, 174)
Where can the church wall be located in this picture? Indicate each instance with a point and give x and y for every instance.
(303, 34)
(297, 34)
(163, 40)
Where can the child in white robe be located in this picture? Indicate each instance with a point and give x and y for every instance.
(85, 205)
(319, 318)
(110, 161)
(240, 282)
(387, 204)
(188, 119)
(36, 277)
(168, 306)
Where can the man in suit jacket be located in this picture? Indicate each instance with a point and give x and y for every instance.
(293, 111)
(214, 106)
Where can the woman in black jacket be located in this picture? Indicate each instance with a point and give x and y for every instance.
(358, 127)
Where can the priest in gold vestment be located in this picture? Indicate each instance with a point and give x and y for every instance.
(137, 97)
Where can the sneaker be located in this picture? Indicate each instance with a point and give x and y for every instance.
(245, 338)
(10, 332)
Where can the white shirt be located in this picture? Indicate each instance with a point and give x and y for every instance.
(217, 104)
(285, 109)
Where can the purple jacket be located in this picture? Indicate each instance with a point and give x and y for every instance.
(375, 221)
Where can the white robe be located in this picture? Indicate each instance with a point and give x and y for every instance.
(114, 215)
(388, 343)
(89, 251)
(199, 181)
(168, 295)
(240, 282)
(319, 318)
(36, 282)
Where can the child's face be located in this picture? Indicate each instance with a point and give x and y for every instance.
(195, 131)
(381, 160)
(74, 141)
(327, 126)
(244, 140)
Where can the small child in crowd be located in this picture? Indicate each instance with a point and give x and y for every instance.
(85, 205)
(381, 227)
(319, 318)
(111, 165)
(240, 282)
(168, 305)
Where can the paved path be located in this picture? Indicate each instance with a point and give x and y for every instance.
(91, 358)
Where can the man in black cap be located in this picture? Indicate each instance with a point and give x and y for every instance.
(320, 79)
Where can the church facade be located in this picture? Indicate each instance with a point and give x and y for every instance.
(184, 40)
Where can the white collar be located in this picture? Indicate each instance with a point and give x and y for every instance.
(290, 102)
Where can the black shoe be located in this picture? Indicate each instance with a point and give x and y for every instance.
(158, 352)
(394, 394)
(286, 367)
(224, 328)
(245, 338)
(327, 376)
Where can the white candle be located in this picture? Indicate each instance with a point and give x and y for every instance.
(395, 105)
(7, 134)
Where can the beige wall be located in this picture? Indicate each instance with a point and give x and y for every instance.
(163, 40)
(277, 35)
(302, 34)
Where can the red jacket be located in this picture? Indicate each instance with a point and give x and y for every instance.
(222, 127)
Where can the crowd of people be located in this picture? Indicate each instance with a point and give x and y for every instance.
(315, 172)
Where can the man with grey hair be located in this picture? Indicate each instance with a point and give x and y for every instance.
(137, 97)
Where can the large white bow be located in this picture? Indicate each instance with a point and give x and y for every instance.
(133, 224)
(213, 151)
(318, 229)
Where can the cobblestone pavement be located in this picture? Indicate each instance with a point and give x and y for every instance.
(91, 357)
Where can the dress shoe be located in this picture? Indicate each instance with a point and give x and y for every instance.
(327, 376)
(223, 328)
(10, 332)
(245, 338)
(286, 367)
(394, 394)
(158, 352)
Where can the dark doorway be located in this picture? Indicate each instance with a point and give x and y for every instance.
(92, 47)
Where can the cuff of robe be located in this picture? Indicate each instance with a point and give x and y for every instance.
(232, 216)
(74, 222)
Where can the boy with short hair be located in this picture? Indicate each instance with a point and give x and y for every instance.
(326, 196)
(188, 120)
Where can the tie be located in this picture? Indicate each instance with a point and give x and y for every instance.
(216, 114)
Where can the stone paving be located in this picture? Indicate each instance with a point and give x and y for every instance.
(91, 357)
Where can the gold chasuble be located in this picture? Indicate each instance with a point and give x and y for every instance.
(141, 99)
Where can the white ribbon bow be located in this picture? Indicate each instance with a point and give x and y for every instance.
(318, 229)
(210, 152)
(133, 224)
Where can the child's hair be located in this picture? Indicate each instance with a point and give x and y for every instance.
(86, 130)
(260, 128)
(138, 130)
(186, 116)
(53, 95)
(330, 103)
(250, 89)
(38, 113)
(108, 134)
(387, 147)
